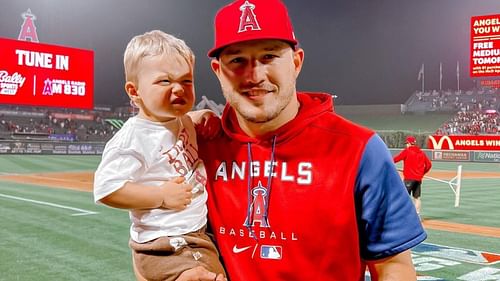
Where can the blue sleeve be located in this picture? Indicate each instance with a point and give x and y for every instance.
(387, 221)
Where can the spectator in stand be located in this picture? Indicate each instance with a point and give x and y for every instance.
(415, 165)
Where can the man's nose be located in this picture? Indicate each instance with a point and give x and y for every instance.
(256, 72)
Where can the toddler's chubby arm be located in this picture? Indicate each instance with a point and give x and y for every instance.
(173, 195)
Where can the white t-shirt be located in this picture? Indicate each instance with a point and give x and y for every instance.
(151, 153)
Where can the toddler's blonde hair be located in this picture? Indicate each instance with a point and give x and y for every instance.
(153, 43)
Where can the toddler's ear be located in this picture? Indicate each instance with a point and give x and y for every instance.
(131, 90)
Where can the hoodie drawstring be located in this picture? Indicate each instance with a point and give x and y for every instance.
(250, 201)
(270, 178)
(249, 220)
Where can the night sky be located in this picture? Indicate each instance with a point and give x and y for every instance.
(364, 51)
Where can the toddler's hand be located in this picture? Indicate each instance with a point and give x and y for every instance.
(177, 194)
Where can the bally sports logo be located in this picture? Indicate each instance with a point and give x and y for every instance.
(9, 84)
(439, 144)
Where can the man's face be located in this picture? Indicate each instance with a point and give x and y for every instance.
(258, 78)
(165, 87)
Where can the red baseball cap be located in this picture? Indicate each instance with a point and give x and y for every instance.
(411, 139)
(245, 20)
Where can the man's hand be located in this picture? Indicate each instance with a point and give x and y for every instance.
(210, 126)
(199, 273)
(397, 267)
(206, 123)
(176, 194)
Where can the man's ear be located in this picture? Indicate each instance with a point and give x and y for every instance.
(215, 64)
(298, 60)
(131, 90)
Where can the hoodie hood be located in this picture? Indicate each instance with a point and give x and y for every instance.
(312, 106)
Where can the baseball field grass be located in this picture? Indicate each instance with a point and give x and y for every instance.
(52, 230)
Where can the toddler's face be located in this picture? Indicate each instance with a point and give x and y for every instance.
(165, 87)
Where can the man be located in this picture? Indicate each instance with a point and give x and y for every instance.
(415, 165)
(295, 191)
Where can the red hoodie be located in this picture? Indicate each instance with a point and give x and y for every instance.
(415, 163)
(308, 201)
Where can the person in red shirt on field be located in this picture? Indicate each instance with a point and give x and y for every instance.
(415, 165)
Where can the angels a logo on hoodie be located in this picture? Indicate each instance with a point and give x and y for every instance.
(258, 207)
(248, 20)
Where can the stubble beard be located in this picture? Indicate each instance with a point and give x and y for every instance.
(262, 113)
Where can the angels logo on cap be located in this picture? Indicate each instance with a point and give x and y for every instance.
(245, 20)
(248, 19)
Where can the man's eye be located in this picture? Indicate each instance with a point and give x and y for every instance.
(269, 56)
(165, 81)
(236, 60)
(188, 81)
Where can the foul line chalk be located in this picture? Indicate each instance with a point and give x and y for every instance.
(79, 212)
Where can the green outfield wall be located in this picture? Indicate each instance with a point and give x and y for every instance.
(96, 148)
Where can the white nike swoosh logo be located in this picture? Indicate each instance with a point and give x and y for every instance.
(237, 250)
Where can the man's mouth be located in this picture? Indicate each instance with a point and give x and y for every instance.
(255, 93)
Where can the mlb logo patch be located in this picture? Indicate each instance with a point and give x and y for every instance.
(271, 252)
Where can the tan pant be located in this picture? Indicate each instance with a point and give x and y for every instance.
(159, 260)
